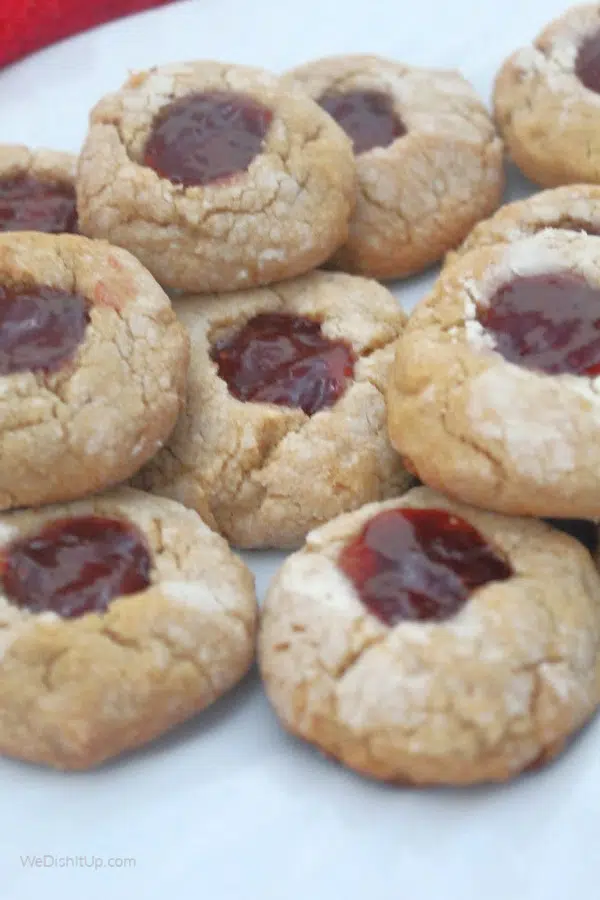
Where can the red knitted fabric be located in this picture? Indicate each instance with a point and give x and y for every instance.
(29, 25)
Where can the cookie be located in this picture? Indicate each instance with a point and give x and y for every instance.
(428, 160)
(37, 190)
(423, 641)
(92, 367)
(570, 208)
(216, 177)
(494, 392)
(547, 101)
(120, 616)
(285, 425)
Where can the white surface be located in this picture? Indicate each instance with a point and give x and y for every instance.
(229, 807)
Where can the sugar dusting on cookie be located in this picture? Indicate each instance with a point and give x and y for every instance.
(197, 594)
(375, 692)
(561, 680)
(538, 254)
(7, 533)
(478, 336)
(500, 409)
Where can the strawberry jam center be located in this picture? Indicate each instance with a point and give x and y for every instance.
(204, 138)
(284, 360)
(367, 117)
(587, 65)
(40, 328)
(75, 566)
(547, 322)
(419, 564)
(28, 204)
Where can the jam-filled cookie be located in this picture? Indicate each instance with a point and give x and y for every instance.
(216, 177)
(120, 616)
(428, 160)
(92, 367)
(37, 190)
(547, 101)
(423, 641)
(285, 424)
(494, 395)
(573, 207)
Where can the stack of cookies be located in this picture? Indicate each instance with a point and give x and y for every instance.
(177, 374)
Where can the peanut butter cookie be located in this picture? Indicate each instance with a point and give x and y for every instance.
(285, 424)
(92, 367)
(573, 207)
(216, 177)
(494, 393)
(424, 641)
(37, 190)
(428, 160)
(120, 616)
(547, 101)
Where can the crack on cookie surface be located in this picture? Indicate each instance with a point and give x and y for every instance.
(479, 698)
(447, 381)
(220, 231)
(53, 421)
(419, 196)
(240, 462)
(75, 691)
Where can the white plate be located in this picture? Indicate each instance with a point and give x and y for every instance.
(229, 806)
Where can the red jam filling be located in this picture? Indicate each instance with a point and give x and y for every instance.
(547, 322)
(206, 138)
(284, 360)
(587, 65)
(75, 566)
(582, 530)
(419, 564)
(40, 328)
(367, 117)
(28, 204)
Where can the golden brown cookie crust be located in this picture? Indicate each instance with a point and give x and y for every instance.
(52, 166)
(423, 193)
(483, 430)
(74, 692)
(549, 120)
(573, 207)
(99, 417)
(282, 217)
(482, 696)
(261, 474)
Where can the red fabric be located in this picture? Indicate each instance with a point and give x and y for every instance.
(29, 25)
